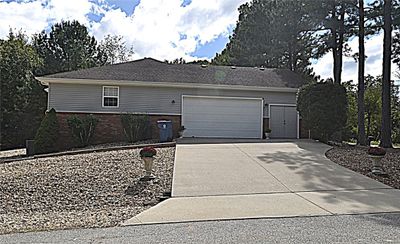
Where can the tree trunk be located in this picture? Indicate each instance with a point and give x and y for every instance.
(337, 41)
(386, 129)
(340, 41)
(361, 71)
(334, 31)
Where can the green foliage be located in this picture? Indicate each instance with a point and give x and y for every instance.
(136, 127)
(323, 108)
(82, 128)
(350, 131)
(22, 99)
(373, 108)
(47, 134)
(201, 62)
(67, 47)
(275, 34)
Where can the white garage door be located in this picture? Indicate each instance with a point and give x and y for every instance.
(222, 117)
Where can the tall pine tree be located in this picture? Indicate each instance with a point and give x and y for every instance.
(277, 34)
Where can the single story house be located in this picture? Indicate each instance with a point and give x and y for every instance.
(210, 101)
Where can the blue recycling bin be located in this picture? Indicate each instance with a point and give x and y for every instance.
(165, 128)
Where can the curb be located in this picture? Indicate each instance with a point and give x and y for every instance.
(82, 151)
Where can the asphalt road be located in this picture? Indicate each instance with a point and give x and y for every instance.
(372, 228)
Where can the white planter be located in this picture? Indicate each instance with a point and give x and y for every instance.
(377, 168)
(148, 165)
(267, 135)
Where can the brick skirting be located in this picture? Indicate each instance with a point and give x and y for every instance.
(109, 128)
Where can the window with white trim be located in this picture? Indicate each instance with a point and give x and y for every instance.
(111, 96)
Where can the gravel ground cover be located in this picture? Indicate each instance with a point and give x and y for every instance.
(80, 191)
(356, 159)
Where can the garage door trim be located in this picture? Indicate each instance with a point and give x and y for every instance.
(285, 105)
(225, 97)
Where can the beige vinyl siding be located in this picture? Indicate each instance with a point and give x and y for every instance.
(136, 99)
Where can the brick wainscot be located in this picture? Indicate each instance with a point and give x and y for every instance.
(109, 128)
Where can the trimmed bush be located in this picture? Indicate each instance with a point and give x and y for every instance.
(47, 134)
(137, 127)
(82, 128)
(323, 109)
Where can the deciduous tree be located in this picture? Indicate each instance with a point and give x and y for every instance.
(115, 49)
(67, 47)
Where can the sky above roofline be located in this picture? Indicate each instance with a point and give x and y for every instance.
(162, 29)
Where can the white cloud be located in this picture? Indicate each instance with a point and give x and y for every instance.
(28, 16)
(35, 16)
(373, 66)
(164, 29)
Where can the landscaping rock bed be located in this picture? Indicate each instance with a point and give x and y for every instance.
(356, 159)
(99, 189)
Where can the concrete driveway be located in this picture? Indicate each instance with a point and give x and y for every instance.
(253, 179)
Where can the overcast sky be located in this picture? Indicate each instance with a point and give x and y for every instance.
(162, 29)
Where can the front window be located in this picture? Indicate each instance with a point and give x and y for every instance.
(111, 96)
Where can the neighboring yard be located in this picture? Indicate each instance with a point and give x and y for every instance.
(356, 159)
(85, 190)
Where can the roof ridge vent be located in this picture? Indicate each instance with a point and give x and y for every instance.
(204, 65)
(233, 67)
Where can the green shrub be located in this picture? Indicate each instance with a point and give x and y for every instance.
(47, 134)
(136, 127)
(323, 109)
(82, 128)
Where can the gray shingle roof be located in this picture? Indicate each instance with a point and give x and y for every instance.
(151, 70)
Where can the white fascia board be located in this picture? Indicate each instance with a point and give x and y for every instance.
(46, 81)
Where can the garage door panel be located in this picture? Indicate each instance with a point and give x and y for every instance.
(222, 117)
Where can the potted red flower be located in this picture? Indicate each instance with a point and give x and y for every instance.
(376, 154)
(181, 130)
(147, 154)
(267, 133)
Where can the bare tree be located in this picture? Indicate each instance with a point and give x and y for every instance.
(115, 49)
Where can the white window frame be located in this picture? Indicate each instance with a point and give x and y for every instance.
(102, 96)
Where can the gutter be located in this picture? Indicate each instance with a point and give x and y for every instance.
(47, 81)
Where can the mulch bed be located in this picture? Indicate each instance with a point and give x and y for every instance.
(100, 189)
(356, 159)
